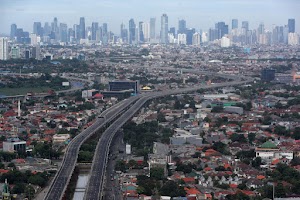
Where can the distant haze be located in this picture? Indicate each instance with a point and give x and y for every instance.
(199, 14)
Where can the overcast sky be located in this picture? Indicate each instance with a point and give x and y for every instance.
(199, 14)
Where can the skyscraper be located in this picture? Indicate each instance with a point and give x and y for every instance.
(82, 28)
(37, 28)
(105, 37)
(63, 31)
(131, 31)
(245, 25)
(3, 48)
(291, 25)
(173, 31)
(141, 33)
(152, 28)
(222, 29)
(234, 24)
(13, 31)
(164, 29)
(181, 26)
(95, 27)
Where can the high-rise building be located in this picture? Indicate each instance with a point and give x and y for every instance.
(3, 48)
(131, 31)
(293, 39)
(235, 24)
(47, 29)
(291, 25)
(95, 27)
(152, 28)
(181, 26)
(245, 25)
(105, 36)
(82, 28)
(63, 31)
(173, 31)
(33, 39)
(164, 29)
(141, 33)
(196, 39)
(13, 31)
(37, 28)
(146, 31)
(124, 33)
(15, 52)
(189, 36)
(222, 29)
(36, 52)
(181, 38)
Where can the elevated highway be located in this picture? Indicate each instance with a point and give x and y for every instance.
(95, 185)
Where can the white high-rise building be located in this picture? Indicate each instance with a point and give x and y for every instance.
(33, 39)
(225, 42)
(196, 39)
(204, 37)
(181, 38)
(3, 48)
(146, 31)
(164, 29)
(293, 39)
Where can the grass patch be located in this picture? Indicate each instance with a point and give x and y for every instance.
(22, 91)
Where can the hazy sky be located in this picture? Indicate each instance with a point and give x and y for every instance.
(199, 14)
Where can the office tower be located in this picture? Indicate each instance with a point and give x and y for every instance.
(213, 34)
(152, 28)
(222, 29)
(55, 30)
(15, 52)
(285, 34)
(196, 39)
(37, 28)
(95, 27)
(173, 31)
(47, 29)
(181, 26)
(63, 31)
(245, 25)
(164, 29)
(33, 39)
(124, 33)
(146, 31)
(235, 24)
(27, 54)
(77, 31)
(131, 31)
(105, 36)
(261, 28)
(141, 33)
(13, 31)
(36, 52)
(82, 28)
(71, 35)
(291, 25)
(3, 48)
(189, 36)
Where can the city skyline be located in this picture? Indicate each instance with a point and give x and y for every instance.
(197, 15)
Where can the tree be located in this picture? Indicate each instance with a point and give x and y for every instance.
(217, 109)
(251, 137)
(18, 188)
(280, 190)
(238, 138)
(172, 189)
(296, 134)
(157, 173)
(29, 192)
(37, 180)
(256, 162)
(220, 147)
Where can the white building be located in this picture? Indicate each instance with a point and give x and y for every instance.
(204, 37)
(225, 42)
(181, 38)
(3, 48)
(146, 31)
(293, 39)
(33, 39)
(182, 137)
(60, 138)
(14, 145)
(196, 39)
